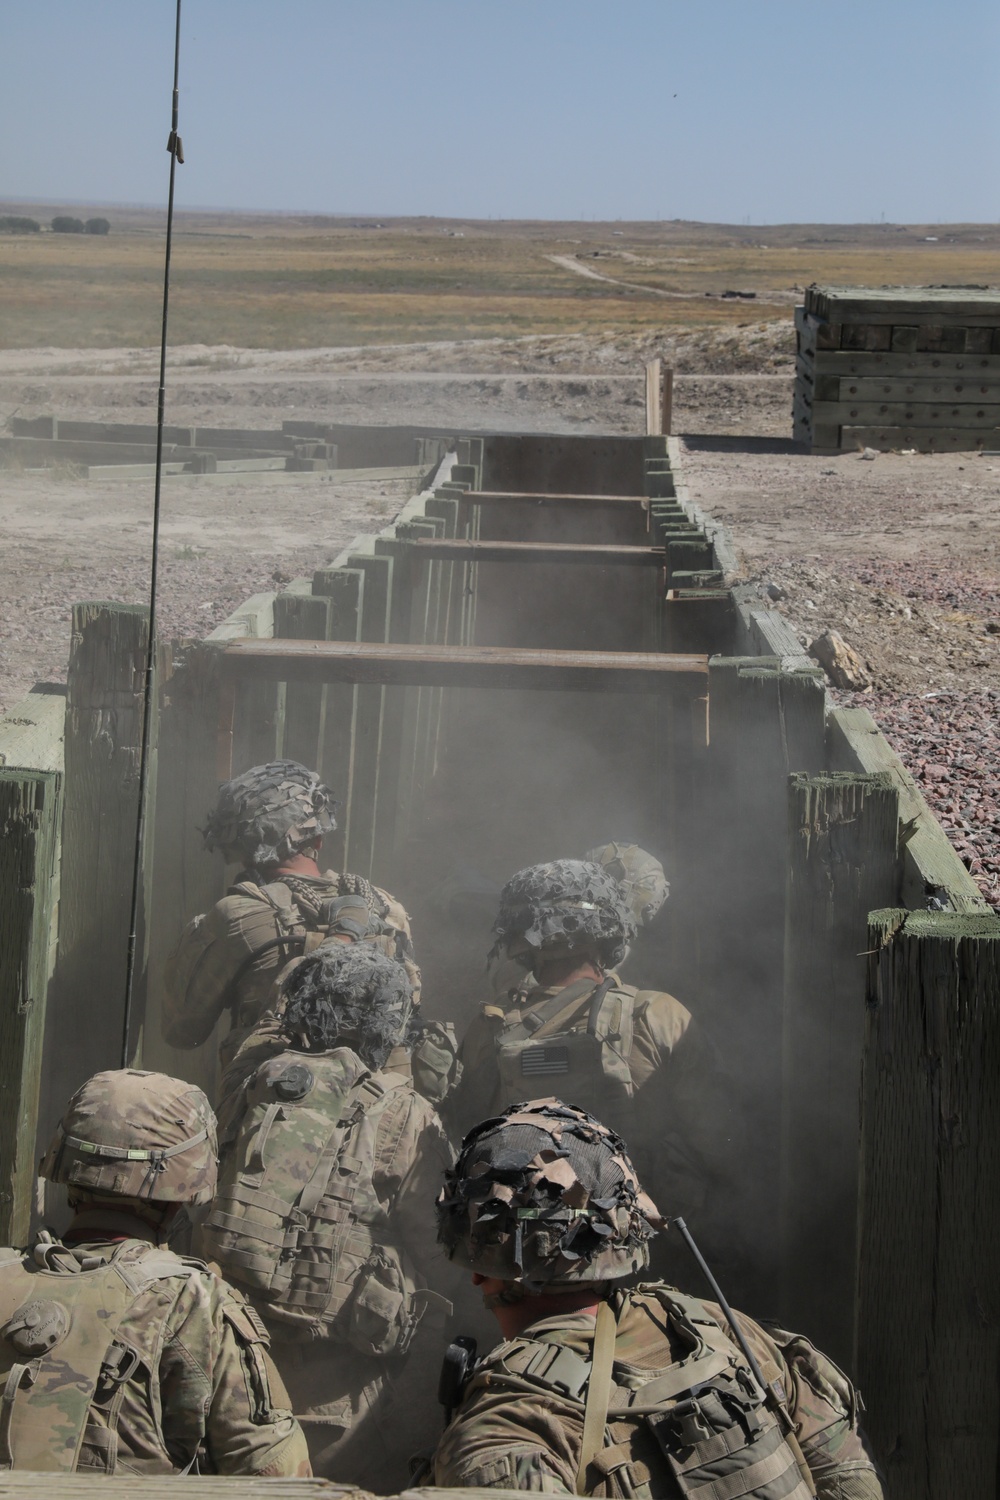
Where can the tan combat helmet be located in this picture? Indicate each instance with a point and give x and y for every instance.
(270, 813)
(139, 1135)
(545, 1195)
(568, 906)
(640, 875)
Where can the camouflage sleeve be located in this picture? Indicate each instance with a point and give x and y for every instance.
(504, 1441)
(398, 920)
(471, 1101)
(421, 1157)
(209, 955)
(824, 1406)
(220, 1391)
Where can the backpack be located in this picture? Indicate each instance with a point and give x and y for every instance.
(60, 1349)
(704, 1420)
(297, 1222)
(544, 1049)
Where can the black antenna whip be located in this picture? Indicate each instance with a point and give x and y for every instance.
(176, 149)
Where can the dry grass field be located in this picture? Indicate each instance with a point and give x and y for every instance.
(280, 282)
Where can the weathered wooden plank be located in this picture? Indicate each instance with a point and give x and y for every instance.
(376, 619)
(30, 813)
(654, 410)
(469, 666)
(932, 390)
(303, 617)
(842, 863)
(344, 587)
(600, 555)
(844, 362)
(103, 733)
(926, 439)
(932, 871)
(926, 414)
(506, 498)
(928, 1337)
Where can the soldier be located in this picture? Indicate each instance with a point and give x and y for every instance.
(640, 875)
(272, 820)
(635, 1057)
(119, 1356)
(601, 1390)
(327, 1227)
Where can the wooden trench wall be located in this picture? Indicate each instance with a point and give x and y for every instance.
(482, 692)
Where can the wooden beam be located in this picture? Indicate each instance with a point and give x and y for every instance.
(469, 666)
(600, 554)
(506, 497)
(654, 410)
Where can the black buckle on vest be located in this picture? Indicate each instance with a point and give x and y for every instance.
(690, 1422)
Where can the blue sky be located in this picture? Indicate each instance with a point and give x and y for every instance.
(767, 110)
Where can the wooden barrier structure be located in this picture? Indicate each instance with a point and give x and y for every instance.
(549, 647)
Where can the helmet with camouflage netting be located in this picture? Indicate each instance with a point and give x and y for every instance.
(347, 995)
(545, 1195)
(640, 875)
(569, 906)
(270, 813)
(130, 1134)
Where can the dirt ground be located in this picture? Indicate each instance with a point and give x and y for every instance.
(899, 554)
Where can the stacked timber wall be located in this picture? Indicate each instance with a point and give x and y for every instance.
(898, 367)
(549, 647)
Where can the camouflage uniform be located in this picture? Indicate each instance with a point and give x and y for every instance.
(120, 1356)
(653, 1074)
(508, 1436)
(229, 958)
(645, 1392)
(346, 1290)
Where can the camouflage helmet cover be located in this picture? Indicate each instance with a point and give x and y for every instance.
(546, 1195)
(640, 875)
(270, 813)
(132, 1134)
(565, 906)
(349, 994)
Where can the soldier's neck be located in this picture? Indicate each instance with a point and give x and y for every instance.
(564, 971)
(515, 1317)
(297, 864)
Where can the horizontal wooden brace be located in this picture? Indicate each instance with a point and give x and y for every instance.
(503, 497)
(461, 666)
(601, 554)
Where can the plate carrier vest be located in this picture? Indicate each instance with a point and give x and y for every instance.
(297, 1222)
(62, 1350)
(716, 1433)
(577, 1043)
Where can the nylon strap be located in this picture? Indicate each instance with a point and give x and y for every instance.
(595, 1418)
(552, 1016)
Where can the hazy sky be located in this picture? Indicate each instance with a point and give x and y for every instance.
(772, 110)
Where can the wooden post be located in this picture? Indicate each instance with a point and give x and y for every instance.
(667, 403)
(360, 844)
(928, 1328)
(186, 878)
(843, 862)
(344, 587)
(303, 617)
(763, 723)
(103, 733)
(654, 410)
(30, 809)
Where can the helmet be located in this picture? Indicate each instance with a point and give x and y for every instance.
(270, 813)
(347, 994)
(564, 907)
(640, 875)
(546, 1195)
(131, 1134)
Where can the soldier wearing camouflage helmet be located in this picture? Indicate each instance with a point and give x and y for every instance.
(271, 822)
(328, 1230)
(118, 1356)
(602, 1389)
(640, 875)
(634, 1057)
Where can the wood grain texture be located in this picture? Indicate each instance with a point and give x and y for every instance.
(929, 1313)
(30, 813)
(842, 863)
